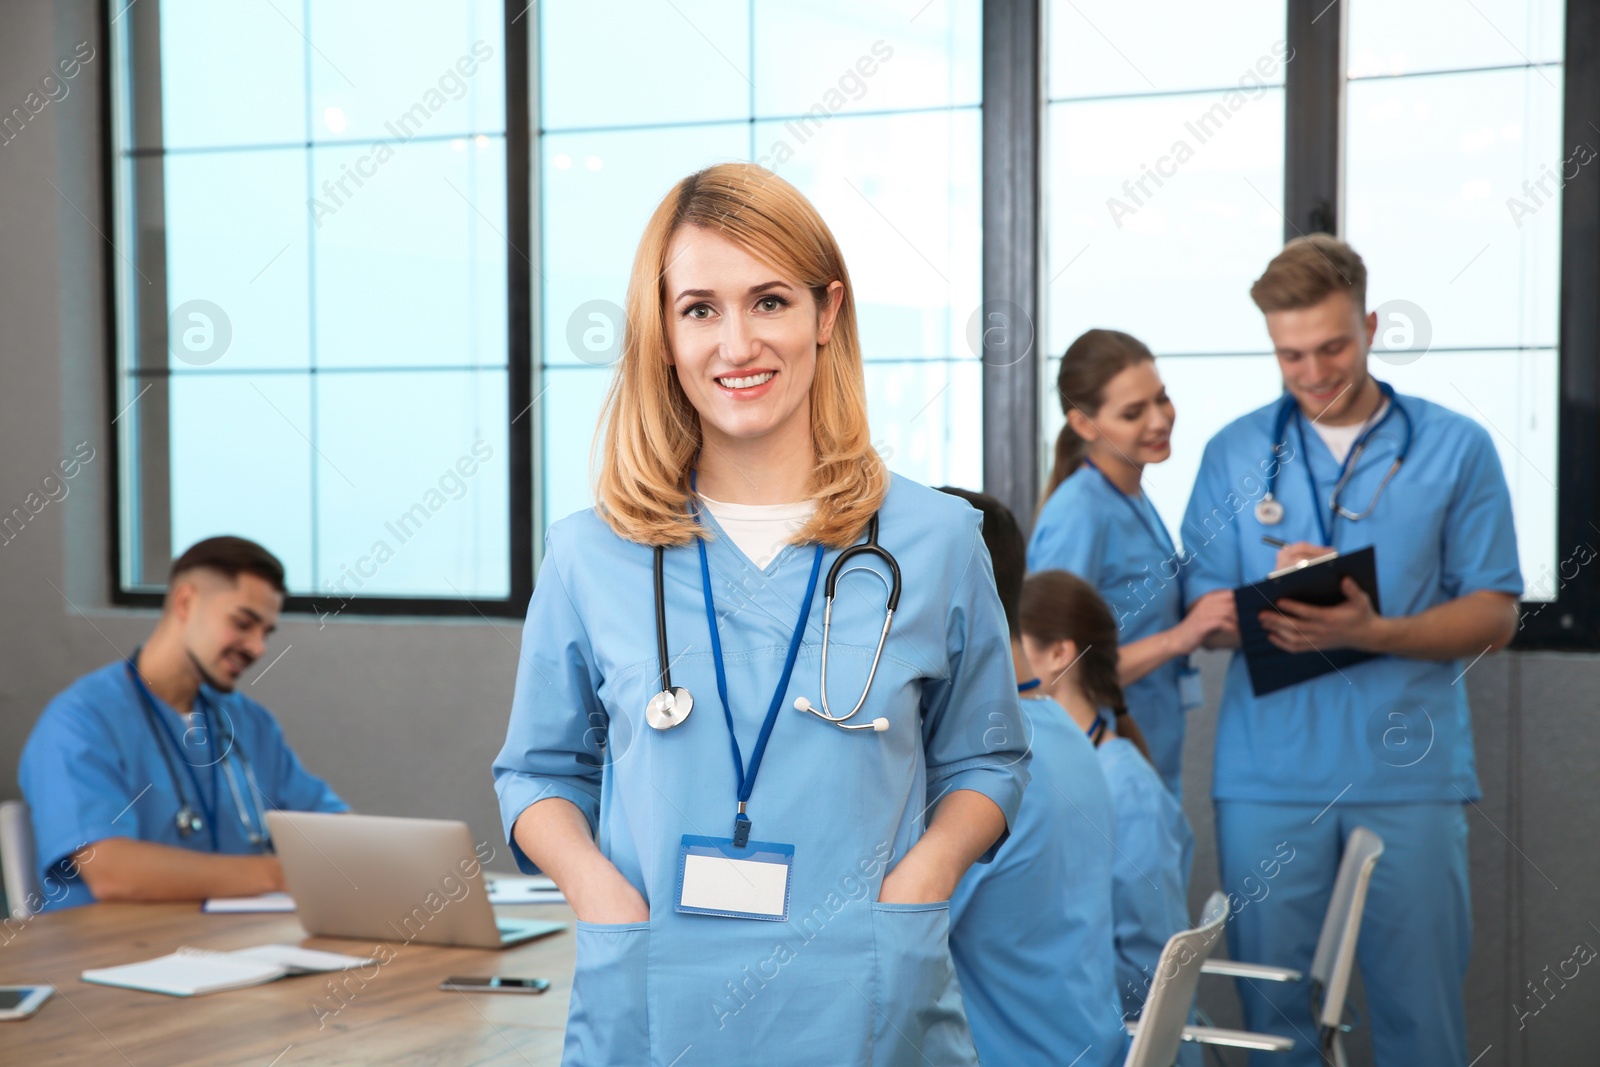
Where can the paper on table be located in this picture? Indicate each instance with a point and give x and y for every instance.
(236, 905)
(523, 889)
(192, 972)
(296, 960)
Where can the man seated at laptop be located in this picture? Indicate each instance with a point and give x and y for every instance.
(149, 779)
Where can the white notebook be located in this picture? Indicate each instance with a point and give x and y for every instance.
(191, 972)
(264, 903)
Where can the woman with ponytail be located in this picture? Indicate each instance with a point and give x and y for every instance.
(1095, 522)
(1070, 641)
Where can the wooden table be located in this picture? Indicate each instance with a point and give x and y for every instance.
(397, 1016)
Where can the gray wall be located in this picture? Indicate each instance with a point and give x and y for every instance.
(404, 716)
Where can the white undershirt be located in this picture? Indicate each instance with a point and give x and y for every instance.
(1341, 439)
(760, 530)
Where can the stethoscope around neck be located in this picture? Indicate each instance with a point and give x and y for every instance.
(1269, 509)
(187, 820)
(671, 706)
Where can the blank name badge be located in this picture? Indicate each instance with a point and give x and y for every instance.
(717, 878)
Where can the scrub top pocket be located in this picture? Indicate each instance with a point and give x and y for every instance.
(608, 1021)
(917, 1014)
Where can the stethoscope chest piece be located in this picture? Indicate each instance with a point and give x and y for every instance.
(668, 708)
(188, 822)
(1268, 511)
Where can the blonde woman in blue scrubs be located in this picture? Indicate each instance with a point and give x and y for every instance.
(755, 884)
(1096, 523)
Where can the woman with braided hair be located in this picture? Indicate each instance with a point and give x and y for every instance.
(1070, 640)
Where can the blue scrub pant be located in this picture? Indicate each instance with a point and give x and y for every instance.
(1416, 932)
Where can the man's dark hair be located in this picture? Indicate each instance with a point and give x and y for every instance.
(1003, 537)
(231, 557)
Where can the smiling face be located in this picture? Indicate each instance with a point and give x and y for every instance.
(224, 622)
(743, 338)
(1322, 354)
(1133, 425)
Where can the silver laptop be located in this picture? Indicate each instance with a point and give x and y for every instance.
(387, 879)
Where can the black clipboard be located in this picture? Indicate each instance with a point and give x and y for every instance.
(1317, 582)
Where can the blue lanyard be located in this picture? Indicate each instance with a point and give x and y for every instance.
(1023, 687)
(207, 810)
(1151, 521)
(1324, 527)
(747, 779)
(1097, 731)
(1146, 515)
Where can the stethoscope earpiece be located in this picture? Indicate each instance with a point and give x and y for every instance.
(878, 725)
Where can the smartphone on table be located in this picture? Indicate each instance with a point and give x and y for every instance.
(493, 984)
(21, 1001)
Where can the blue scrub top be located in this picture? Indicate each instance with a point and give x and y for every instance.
(875, 981)
(1031, 932)
(91, 770)
(1091, 528)
(1150, 874)
(1390, 729)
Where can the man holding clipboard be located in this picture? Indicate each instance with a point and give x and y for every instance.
(1343, 463)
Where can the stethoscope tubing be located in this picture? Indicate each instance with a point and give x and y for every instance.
(835, 573)
(1288, 408)
(254, 823)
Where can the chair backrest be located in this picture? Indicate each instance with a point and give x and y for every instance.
(1336, 946)
(1172, 988)
(21, 877)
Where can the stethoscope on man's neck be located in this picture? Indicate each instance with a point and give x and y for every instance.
(187, 820)
(1269, 509)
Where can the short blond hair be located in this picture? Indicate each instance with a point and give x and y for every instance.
(1306, 271)
(651, 432)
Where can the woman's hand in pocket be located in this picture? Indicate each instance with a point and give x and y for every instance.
(915, 881)
(609, 899)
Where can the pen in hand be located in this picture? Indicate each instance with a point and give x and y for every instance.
(1275, 542)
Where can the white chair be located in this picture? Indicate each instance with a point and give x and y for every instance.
(17, 868)
(1163, 1024)
(1336, 945)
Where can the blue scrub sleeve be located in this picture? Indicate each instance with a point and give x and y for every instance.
(972, 728)
(75, 785)
(288, 784)
(1211, 528)
(554, 741)
(1069, 538)
(1480, 541)
(1148, 899)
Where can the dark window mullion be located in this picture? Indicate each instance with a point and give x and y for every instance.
(1013, 132)
(1313, 98)
(1573, 620)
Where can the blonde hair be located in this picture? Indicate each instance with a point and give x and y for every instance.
(650, 431)
(1307, 271)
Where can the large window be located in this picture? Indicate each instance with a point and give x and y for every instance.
(1164, 193)
(1163, 188)
(871, 110)
(1454, 167)
(313, 293)
(370, 272)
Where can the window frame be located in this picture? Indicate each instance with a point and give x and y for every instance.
(1313, 201)
(1012, 108)
(519, 352)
